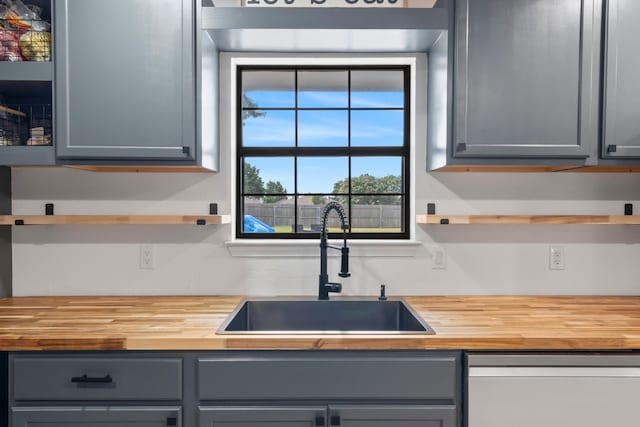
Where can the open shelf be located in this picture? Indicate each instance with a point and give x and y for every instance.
(114, 219)
(251, 29)
(26, 71)
(527, 219)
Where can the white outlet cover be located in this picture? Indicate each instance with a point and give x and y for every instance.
(439, 259)
(556, 258)
(146, 257)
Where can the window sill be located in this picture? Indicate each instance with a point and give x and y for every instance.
(310, 248)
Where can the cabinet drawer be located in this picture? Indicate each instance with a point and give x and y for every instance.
(328, 376)
(96, 416)
(96, 378)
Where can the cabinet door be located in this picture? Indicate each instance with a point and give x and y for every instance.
(392, 416)
(94, 416)
(255, 416)
(124, 79)
(526, 78)
(622, 91)
(554, 396)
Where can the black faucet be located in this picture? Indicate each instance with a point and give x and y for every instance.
(324, 286)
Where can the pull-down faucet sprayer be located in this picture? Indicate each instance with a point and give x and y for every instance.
(324, 286)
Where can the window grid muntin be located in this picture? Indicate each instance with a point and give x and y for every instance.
(360, 151)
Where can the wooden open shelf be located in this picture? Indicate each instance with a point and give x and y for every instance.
(114, 219)
(528, 219)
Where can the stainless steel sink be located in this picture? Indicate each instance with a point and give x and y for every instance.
(339, 316)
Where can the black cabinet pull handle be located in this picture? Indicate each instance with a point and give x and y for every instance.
(320, 422)
(335, 420)
(92, 380)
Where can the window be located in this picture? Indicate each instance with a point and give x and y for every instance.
(310, 135)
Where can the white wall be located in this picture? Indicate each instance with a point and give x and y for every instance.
(104, 260)
(95, 260)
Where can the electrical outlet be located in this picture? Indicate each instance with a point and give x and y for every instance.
(439, 260)
(146, 257)
(556, 258)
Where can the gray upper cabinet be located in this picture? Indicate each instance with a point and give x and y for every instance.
(392, 416)
(526, 79)
(621, 126)
(125, 86)
(260, 416)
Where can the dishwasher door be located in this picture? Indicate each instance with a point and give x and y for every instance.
(552, 391)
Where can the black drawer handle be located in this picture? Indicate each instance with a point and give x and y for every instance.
(92, 380)
(320, 421)
(335, 420)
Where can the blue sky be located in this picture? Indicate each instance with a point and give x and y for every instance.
(324, 129)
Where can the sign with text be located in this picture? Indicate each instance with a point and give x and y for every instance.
(324, 3)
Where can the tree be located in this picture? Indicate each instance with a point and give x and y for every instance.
(370, 184)
(276, 191)
(252, 182)
(248, 103)
(319, 200)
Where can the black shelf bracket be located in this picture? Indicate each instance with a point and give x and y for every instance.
(431, 208)
(213, 209)
(49, 209)
(628, 209)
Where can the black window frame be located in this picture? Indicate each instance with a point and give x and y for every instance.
(404, 152)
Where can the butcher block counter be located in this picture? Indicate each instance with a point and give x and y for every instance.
(190, 323)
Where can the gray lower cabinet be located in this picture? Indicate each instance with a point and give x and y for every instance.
(261, 416)
(112, 416)
(525, 84)
(235, 389)
(622, 91)
(333, 415)
(392, 416)
(125, 86)
(329, 388)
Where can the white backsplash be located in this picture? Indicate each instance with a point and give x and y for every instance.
(104, 260)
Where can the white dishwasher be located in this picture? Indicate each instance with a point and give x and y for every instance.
(553, 390)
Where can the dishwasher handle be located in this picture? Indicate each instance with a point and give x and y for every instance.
(555, 372)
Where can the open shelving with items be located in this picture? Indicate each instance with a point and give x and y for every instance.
(26, 83)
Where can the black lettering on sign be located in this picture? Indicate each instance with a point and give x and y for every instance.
(351, 1)
(253, 2)
(270, 1)
(318, 1)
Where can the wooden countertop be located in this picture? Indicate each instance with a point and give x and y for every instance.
(189, 323)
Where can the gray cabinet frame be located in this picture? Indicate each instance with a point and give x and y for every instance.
(587, 101)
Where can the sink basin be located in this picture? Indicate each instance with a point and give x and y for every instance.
(355, 316)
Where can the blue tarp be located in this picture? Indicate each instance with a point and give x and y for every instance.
(254, 225)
